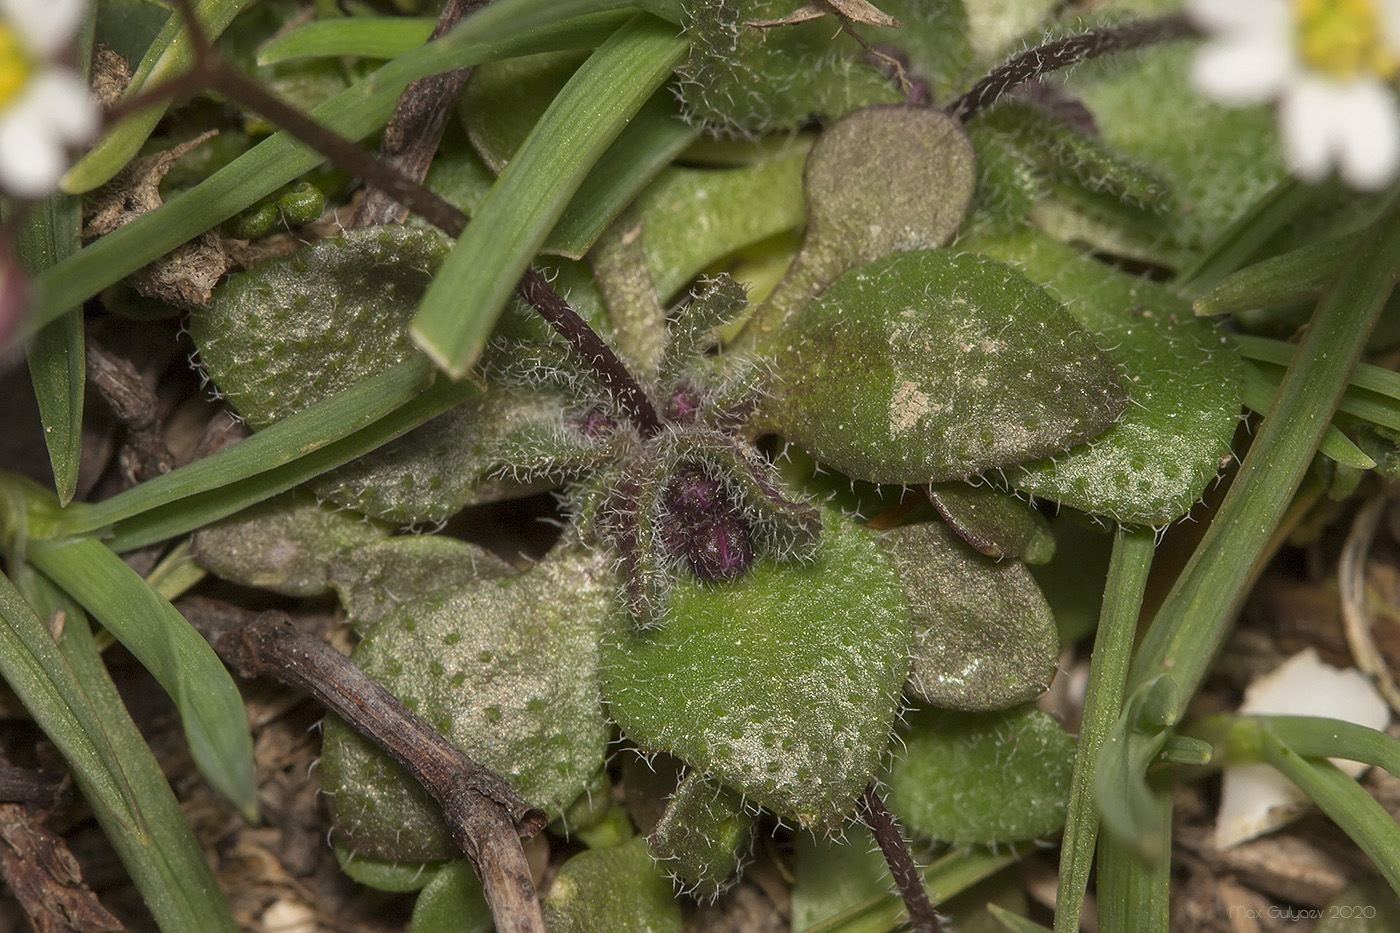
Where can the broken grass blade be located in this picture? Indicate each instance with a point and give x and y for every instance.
(361, 36)
(179, 658)
(511, 224)
(359, 110)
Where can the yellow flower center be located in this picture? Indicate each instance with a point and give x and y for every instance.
(16, 67)
(1343, 39)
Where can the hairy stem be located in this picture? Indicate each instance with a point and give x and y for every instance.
(907, 877)
(1064, 53)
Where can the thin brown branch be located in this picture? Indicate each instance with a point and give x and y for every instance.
(1063, 53)
(485, 816)
(411, 139)
(907, 877)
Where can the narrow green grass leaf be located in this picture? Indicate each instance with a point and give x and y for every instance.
(296, 436)
(1259, 392)
(56, 353)
(1280, 352)
(144, 822)
(648, 144)
(946, 877)
(356, 112)
(1196, 615)
(211, 710)
(171, 53)
(1103, 701)
(1320, 737)
(1015, 922)
(1134, 897)
(1249, 231)
(212, 504)
(506, 17)
(1299, 275)
(511, 224)
(363, 36)
(1344, 801)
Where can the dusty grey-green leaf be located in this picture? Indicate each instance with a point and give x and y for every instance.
(298, 329)
(373, 580)
(994, 522)
(782, 685)
(1182, 377)
(984, 637)
(929, 366)
(506, 668)
(285, 545)
(703, 835)
(985, 778)
(613, 890)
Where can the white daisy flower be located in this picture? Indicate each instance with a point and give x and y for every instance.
(45, 108)
(1330, 65)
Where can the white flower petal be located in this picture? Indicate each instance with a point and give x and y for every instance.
(31, 160)
(1368, 135)
(63, 102)
(1242, 72)
(1306, 114)
(1239, 16)
(46, 25)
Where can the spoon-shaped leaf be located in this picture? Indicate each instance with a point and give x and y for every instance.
(930, 366)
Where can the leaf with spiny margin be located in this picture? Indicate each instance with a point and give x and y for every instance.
(285, 544)
(506, 667)
(297, 329)
(931, 366)
(986, 778)
(1183, 380)
(702, 836)
(782, 685)
(994, 522)
(613, 890)
(984, 637)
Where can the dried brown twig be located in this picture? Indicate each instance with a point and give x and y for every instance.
(485, 816)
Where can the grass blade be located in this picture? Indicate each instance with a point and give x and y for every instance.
(362, 36)
(356, 112)
(56, 355)
(200, 509)
(1194, 618)
(102, 746)
(1103, 701)
(1344, 801)
(211, 709)
(171, 52)
(511, 224)
(297, 436)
